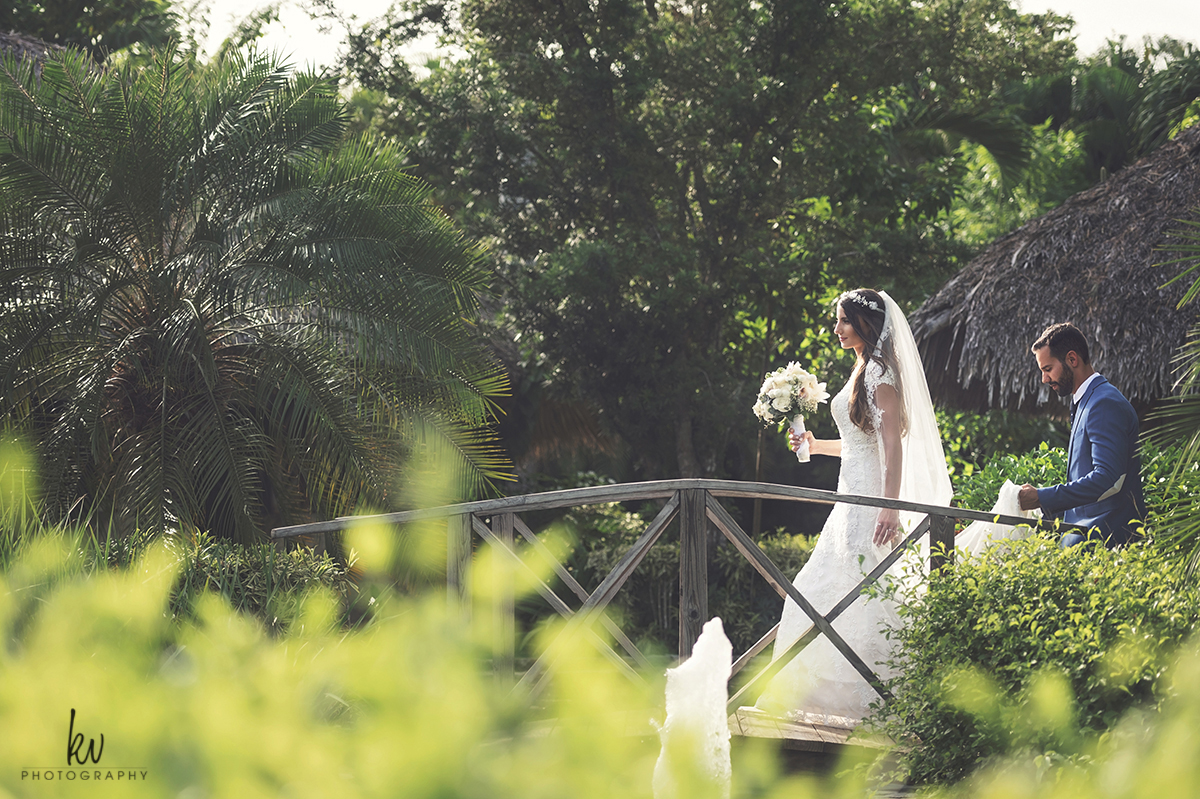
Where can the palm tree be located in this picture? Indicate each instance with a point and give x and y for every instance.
(1176, 422)
(1123, 104)
(216, 310)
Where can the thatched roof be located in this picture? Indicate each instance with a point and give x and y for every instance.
(28, 46)
(1090, 261)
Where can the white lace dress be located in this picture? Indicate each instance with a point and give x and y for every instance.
(819, 684)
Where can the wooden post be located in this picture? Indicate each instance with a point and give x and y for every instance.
(503, 608)
(458, 564)
(693, 568)
(941, 542)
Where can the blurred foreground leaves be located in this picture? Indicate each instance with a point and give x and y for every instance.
(219, 696)
(214, 706)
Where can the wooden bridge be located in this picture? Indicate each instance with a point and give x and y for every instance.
(696, 504)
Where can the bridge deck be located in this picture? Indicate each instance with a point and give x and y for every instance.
(750, 722)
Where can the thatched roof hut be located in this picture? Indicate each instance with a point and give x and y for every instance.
(27, 46)
(1091, 261)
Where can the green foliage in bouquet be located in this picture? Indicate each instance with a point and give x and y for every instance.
(1030, 650)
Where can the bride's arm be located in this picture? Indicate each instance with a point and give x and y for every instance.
(816, 446)
(887, 527)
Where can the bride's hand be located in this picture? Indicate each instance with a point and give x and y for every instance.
(794, 440)
(887, 528)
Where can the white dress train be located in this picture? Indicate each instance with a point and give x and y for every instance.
(978, 536)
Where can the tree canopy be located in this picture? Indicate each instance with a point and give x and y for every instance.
(674, 192)
(100, 28)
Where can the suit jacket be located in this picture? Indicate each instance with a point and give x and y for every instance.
(1104, 483)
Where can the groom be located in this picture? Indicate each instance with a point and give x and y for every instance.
(1104, 485)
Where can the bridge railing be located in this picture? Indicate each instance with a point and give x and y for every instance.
(696, 505)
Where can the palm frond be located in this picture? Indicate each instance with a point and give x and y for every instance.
(216, 308)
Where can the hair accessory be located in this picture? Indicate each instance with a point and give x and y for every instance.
(854, 296)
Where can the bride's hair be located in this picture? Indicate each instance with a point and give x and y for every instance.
(864, 309)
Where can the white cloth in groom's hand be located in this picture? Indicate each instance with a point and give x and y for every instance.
(978, 536)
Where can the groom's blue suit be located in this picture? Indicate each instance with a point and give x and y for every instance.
(1104, 484)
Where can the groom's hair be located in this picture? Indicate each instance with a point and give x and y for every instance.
(1062, 338)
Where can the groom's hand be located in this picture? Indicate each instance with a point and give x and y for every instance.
(1027, 497)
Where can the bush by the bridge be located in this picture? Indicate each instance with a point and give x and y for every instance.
(1032, 650)
(262, 581)
(1167, 488)
(213, 705)
(1040, 467)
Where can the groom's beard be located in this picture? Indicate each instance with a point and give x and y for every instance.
(1065, 386)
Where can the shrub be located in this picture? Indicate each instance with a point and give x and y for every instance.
(1043, 466)
(973, 440)
(261, 580)
(210, 705)
(1170, 491)
(981, 649)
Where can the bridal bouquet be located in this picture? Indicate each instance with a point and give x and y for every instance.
(790, 392)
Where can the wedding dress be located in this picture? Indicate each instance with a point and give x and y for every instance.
(819, 684)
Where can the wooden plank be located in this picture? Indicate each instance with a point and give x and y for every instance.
(504, 628)
(693, 569)
(581, 592)
(800, 735)
(599, 599)
(632, 559)
(755, 649)
(458, 564)
(941, 542)
(545, 590)
(767, 567)
(790, 734)
(548, 500)
(656, 489)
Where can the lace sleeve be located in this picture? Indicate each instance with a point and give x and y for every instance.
(877, 375)
(887, 419)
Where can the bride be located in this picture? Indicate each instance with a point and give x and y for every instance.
(890, 447)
